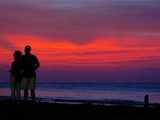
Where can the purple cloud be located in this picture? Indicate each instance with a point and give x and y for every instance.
(82, 23)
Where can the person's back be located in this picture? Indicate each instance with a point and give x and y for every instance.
(30, 64)
(16, 70)
(16, 74)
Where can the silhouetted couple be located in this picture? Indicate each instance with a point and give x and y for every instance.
(23, 73)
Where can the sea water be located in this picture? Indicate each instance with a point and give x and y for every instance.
(94, 91)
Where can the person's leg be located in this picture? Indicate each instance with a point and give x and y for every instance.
(13, 94)
(33, 94)
(18, 91)
(32, 88)
(25, 94)
(25, 87)
(19, 94)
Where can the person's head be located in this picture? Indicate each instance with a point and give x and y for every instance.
(27, 49)
(17, 55)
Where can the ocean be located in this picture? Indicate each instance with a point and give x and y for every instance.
(94, 91)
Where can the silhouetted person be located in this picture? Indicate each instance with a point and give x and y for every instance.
(30, 64)
(16, 74)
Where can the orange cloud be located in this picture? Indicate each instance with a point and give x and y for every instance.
(102, 52)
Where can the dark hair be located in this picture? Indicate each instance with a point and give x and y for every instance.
(17, 53)
(28, 47)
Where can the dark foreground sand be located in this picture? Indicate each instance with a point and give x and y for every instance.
(29, 110)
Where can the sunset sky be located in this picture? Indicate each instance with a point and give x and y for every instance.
(84, 40)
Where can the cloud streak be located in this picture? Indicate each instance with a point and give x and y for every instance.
(93, 35)
(80, 24)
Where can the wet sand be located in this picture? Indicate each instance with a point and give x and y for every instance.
(20, 110)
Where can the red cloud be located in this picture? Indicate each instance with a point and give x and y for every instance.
(101, 53)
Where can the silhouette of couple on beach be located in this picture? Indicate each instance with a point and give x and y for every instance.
(23, 73)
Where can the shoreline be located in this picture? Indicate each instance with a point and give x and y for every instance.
(13, 109)
(104, 102)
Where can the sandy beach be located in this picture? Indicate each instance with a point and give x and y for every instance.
(10, 109)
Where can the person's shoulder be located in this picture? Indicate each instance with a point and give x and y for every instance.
(33, 56)
(23, 56)
(12, 63)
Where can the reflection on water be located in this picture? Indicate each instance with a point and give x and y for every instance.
(90, 94)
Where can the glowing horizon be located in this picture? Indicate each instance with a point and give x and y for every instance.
(100, 52)
(87, 36)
